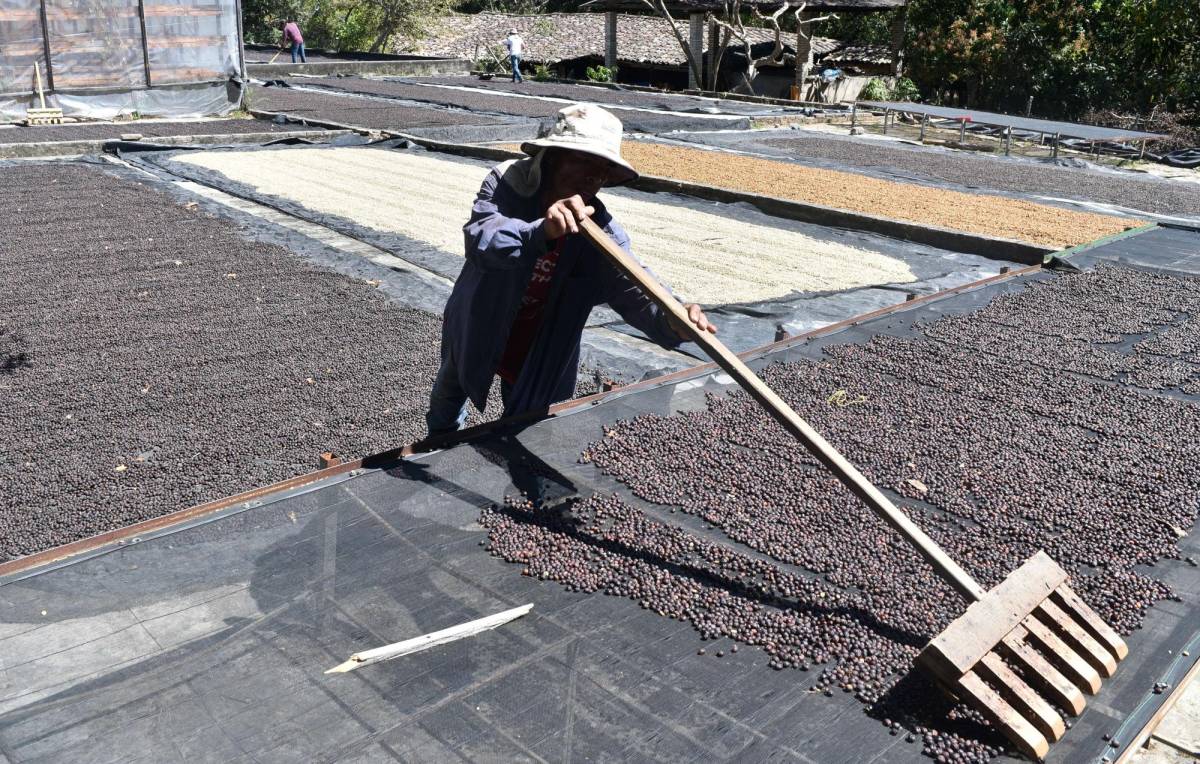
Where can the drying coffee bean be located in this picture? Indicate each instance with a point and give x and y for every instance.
(958, 421)
(185, 362)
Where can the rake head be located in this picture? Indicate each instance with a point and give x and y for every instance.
(43, 116)
(1028, 645)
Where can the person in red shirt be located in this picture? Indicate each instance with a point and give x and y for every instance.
(519, 306)
(293, 38)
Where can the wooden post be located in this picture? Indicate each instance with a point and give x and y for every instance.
(1054, 154)
(886, 114)
(714, 44)
(1008, 141)
(145, 45)
(696, 44)
(1142, 153)
(46, 47)
(924, 124)
(898, 42)
(241, 33)
(854, 114)
(962, 130)
(610, 39)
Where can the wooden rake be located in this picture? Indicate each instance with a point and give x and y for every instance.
(1019, 650)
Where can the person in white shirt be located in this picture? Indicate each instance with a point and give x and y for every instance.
(516, 47)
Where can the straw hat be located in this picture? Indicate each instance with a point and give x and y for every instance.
(588, 128)
(513, 31)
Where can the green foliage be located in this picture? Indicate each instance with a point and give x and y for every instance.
(865, 28)
(602, 74)
(874, 90)
(353, 25)
(493, 61)
(905, 90)
(542, 73)
(878, 90)
(1068, 55)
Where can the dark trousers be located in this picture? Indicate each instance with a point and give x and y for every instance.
(448, 401)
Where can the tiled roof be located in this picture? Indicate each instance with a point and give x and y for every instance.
(551, 37)
(863, 54)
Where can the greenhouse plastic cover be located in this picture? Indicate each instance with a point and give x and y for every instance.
(99, 49)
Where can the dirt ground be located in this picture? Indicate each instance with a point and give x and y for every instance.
(974, 213)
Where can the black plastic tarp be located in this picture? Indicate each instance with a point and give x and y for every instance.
(211, 641)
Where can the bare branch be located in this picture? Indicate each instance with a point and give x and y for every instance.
(693, 57)
(733, 27)
(798, 12)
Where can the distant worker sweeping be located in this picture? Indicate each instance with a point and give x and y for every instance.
(516, 48)
(293, 39)
(530, 281)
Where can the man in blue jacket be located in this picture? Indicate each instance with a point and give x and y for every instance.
(530, 281)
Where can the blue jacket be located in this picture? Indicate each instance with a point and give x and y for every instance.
(503, 242)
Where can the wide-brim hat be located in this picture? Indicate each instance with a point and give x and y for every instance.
(588, 128)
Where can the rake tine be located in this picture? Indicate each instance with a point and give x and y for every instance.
(1077, 637)
(1069, 663)
(1079, 611)
(1022, 697)
(988, 702)
(1049, 679)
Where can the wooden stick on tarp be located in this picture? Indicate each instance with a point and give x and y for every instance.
(432, 639)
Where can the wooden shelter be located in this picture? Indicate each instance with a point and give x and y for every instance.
(697, 12)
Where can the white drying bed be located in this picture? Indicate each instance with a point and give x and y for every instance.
(705, 257)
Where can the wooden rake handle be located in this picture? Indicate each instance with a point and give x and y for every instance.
(846, 472)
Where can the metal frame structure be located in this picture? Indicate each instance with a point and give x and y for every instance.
(1092, 134)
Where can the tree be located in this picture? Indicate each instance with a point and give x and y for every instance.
(694, 58)
(732, 26)
(731, 23)
(1145, 53)
(1131, 55)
